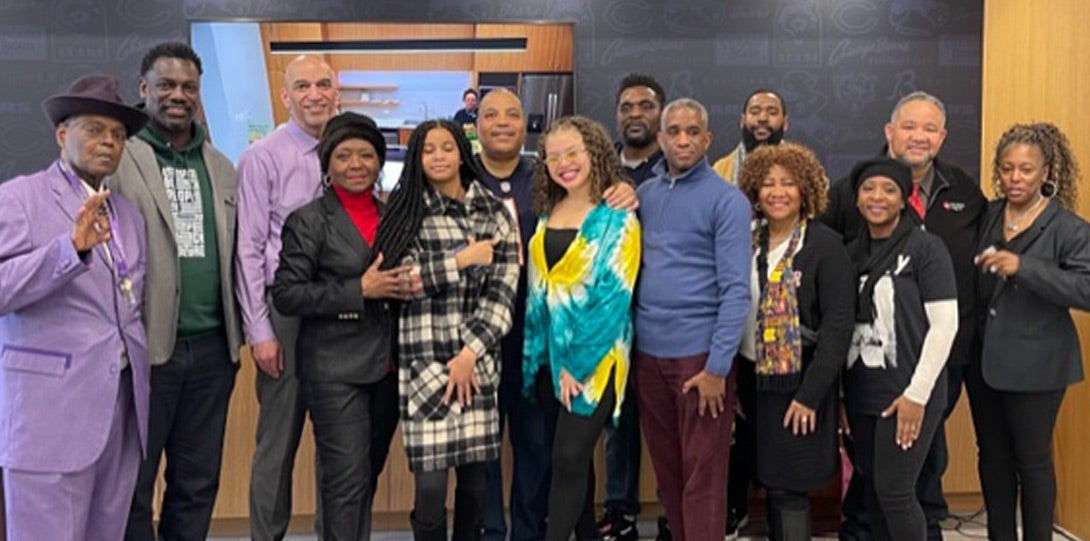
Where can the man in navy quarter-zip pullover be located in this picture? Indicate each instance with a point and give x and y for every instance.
(692, 303)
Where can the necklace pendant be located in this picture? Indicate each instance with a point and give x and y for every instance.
(1012, 227)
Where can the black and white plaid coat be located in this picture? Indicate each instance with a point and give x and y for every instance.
(456, 308)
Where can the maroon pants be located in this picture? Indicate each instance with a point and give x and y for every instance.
(690, 452)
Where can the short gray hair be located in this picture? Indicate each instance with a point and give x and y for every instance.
(685, 103)
(918, 95)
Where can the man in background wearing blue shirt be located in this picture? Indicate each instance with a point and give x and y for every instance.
(692, 303)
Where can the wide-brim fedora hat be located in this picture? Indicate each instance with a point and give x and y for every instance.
(94, 94)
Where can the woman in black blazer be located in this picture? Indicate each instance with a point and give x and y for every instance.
(797, 336)
(1034, 260)
(331, 280)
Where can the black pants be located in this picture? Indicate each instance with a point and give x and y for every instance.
(928, 487)
(893, 509)
(571, 489)
(1014, 438)
(743, 452)
(353, 425)
(187, 419)
(429, 517)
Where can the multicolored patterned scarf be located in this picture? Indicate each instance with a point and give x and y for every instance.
(779, 338)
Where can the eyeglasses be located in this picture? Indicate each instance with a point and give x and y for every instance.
(571, 155)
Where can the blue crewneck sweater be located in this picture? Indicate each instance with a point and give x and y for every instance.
(693, 292)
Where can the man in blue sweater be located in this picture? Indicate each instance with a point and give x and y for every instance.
(692, 303)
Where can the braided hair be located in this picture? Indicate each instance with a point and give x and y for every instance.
(1063, 169)
(405, 207)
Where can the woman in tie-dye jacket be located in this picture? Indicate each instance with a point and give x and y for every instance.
(582, 266)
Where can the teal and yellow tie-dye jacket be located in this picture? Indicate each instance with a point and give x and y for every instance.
(579, 312)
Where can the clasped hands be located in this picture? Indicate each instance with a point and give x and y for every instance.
(399, 283)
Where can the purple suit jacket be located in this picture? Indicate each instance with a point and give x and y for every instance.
(63, 327)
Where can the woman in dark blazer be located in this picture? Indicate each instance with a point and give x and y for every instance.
(797, 336)
(1034, 260)
(331, 280)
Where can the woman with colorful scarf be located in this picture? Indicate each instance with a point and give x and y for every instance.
(583, 261)
(905, 321)
(797, 336)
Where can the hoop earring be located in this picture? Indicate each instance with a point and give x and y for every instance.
(757, 207)
(1049, 188)
(326, 182)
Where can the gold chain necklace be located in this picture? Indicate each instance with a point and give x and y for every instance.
(1014, 224)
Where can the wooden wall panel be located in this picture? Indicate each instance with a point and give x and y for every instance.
(1035, 68)
(548, 48)
(400, 61)
(234, 495)
(274, 64)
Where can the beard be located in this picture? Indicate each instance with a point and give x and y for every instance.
(645, 139)
(750, 141)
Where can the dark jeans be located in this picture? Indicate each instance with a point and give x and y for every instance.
(531, 467)
(1014, 438)
(571, 491)
(429, 516)
(690, 452)
(187, 418)
(623, 454)
(928, 487)
(893, 509)
(743, 450)
(353, 425)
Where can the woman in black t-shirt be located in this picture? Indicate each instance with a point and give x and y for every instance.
(1034, 257)
(906, 318)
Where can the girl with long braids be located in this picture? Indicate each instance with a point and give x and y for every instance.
(461, 243)
(1034, 260)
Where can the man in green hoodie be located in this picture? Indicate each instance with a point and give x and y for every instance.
(186, 190)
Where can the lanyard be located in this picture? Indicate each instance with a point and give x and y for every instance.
(117, 253)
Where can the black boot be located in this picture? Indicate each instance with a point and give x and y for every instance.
(428, 532)
(468, 515)
(788, 524)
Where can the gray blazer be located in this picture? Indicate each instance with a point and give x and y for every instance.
(1029, 341)
(139, 179)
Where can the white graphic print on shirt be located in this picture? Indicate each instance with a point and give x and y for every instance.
(184, 192)
(876, 342)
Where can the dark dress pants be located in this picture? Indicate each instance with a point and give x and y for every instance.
(187, 418)
(1014, 437)
(353, 425)
(280, 419)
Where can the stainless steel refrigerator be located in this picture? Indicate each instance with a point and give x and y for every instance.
(545, 98)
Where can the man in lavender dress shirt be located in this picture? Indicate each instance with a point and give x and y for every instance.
(277, 175)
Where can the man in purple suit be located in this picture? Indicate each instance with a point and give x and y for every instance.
(73, 352)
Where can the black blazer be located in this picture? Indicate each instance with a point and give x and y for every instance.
(322, 259)
(1029, 341)
(826, 297)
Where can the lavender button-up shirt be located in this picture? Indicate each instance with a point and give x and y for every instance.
(276, 175)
